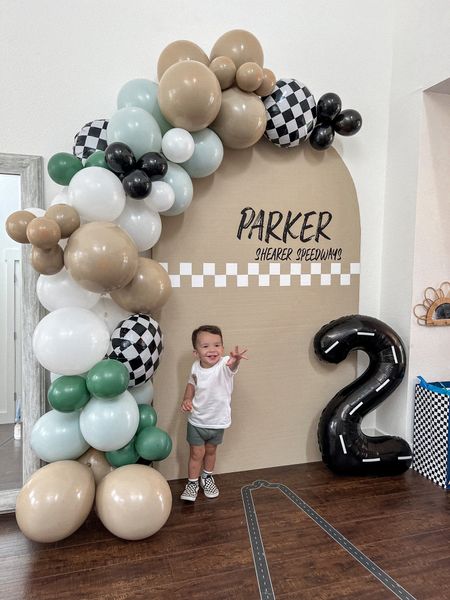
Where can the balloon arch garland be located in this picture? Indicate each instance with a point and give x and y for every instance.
(99, 340)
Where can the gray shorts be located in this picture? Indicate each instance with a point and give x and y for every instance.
(198, 436)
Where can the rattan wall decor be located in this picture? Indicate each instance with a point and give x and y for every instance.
(435, 308)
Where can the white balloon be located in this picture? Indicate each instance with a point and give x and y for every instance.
(54, 376)
(38, 212)
(97, 194)
(62, 197)
(178, 145)
(60, 290)
(108, 424)
(161, 197)
(143, 394)
(70, 340)
(110, 312)
(142, 224)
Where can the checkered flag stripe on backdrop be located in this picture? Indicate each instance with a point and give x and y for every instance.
(291, 113)
(137, 342)
(431, 416)
(266, 274)
(90, 138)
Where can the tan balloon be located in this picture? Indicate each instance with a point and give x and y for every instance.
(177, 51)
(101, 256)
(43, 233)
(66, 216)
(147, 291)
(96, 461)
(241, 46)
(249, 77)
(189, 95)
(16, 225)
(47, 262)
(225, 71)
(268, 83)
(241, 120)
(133, 502)
(55, 501)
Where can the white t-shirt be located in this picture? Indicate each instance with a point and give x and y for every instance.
(211, 405)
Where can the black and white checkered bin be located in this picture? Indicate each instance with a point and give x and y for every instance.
(431, 431)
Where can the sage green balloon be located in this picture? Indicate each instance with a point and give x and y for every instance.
(135, 127)
(153, 443)
(97, 159)
(143, 93)
(124, 456)
(208, 154)
(147, 417)
(63, 166)
(68, 393)
(107, 379)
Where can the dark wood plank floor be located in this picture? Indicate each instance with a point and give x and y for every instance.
(203, 552)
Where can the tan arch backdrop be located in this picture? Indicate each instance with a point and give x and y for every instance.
(269, 251)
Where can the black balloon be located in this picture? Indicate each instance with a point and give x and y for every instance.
(348, 122)
(344, 447)
(328, 106)
(137, 184)
(154, 164)
(120, 158)
(321, 137)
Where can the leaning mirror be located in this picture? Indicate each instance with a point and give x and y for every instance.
(22, 380)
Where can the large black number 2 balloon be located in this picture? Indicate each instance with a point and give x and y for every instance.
(344, 447)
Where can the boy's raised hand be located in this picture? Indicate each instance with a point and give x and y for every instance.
(236, 357)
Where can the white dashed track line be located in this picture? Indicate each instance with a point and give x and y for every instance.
(259, 556)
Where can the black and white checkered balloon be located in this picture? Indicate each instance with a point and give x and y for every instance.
(90, 138)
(291, 113)
(137, 342)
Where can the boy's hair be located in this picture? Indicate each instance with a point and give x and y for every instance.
(208, 329)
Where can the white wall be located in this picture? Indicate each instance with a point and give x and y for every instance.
(421, 58)
(429, 348)
(63, 64)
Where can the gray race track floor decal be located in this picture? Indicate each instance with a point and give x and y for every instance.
(259, 557)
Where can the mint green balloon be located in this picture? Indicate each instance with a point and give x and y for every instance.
(124, 456)
(57, 436)
(208, 154)
(153, 443)
(164, 125)
(181, 183)
(96, 159)
(109, 424)
(135, 127)
(143, 93)
(147, 417)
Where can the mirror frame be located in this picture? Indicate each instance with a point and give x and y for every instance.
(30, 170)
